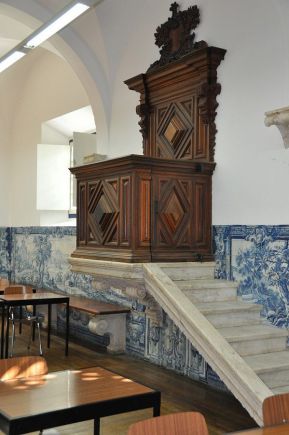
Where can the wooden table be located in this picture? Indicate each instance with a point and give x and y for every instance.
(19, 300)
(281, 429)
(70, 396)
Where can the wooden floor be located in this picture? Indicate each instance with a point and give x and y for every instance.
(222, 412)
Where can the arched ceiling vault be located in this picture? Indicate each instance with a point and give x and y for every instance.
(19, 19)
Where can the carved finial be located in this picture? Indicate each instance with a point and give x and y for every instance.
(174, 8)
(175, 37)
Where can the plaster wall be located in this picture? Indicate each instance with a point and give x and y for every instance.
(45, 83)
(115, 41)
(250, 182)
(52, 136)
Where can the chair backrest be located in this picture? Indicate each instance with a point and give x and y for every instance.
(181, 423)
(17, 289)
(276, 409)
(22, 367)
(4, 282)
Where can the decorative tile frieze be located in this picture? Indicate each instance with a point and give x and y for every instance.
(258, 258)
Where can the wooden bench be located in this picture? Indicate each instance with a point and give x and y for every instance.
(106, 318)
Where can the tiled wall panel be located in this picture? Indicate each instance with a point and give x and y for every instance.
(256, 256)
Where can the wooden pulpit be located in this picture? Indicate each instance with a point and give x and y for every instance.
(158, 206)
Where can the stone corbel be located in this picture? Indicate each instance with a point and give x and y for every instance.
(115, 326)
(280, 118)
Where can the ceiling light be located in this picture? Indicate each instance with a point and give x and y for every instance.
(9, 60)
(48, 30)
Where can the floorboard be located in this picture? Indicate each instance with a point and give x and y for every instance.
(222, 411)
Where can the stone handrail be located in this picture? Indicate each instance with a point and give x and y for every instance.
(243, 382)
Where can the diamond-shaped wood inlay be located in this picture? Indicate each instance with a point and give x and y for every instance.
(174, 131)
(103, 213)
(173, 212)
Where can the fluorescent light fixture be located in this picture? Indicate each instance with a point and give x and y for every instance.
(9, 60)
(56, 25)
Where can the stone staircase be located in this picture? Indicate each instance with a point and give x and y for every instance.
(261, 346)
(247, 353)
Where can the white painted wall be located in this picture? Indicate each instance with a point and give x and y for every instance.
(53, 177)
(10, 90)
(115, 42)
(252, 175)
(46, 87)
(84, 145)
(52, 136)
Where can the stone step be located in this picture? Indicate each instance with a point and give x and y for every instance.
(230, 313)
(186, 284)
(281, 390)
(181, 271)
(255, 339)
(208, 290)
(272, 368)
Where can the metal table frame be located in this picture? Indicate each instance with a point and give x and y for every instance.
(19, 300)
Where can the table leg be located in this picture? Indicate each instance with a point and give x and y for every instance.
(96, 426)
(7, 333)
(67, 328)
(49, 326)
(2, 331)
(157, 406)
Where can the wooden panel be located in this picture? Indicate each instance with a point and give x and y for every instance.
(81, 207)
(174, 130)
(201, 137)
(172, 218)
(200, 202)
(103, 212)
(145, 212)
(202, 216)
(125, 211)
(146, 209)
(179, 106)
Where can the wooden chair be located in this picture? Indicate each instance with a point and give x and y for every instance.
(181, 423)
(4, 282)
(22, 367)
(24, 317)
(276, 409)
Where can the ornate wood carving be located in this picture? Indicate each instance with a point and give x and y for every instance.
(143, 110)
(175, 37)
(178, 94)
(157, 207)
(146, 209)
